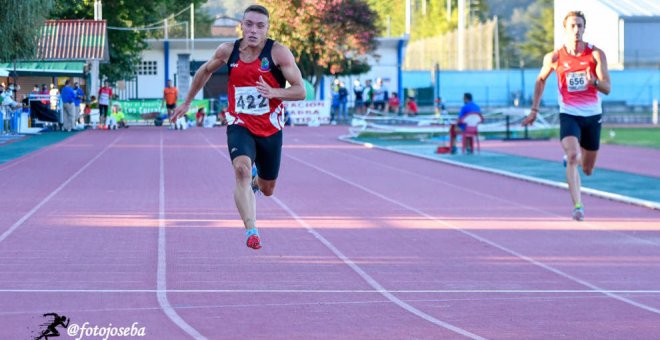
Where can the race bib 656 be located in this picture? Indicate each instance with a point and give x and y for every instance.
(576, 81)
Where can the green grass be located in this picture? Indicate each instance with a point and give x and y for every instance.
(648, 137)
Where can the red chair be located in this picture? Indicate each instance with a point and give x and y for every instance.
(471, 132)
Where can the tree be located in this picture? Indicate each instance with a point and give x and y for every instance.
(323, 34)
(126, 45)
(20, 28)
(540, 34)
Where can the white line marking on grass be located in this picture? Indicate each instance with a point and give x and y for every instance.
(161, 292)
(54, 192)
(482, 239)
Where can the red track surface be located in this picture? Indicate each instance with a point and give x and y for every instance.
(358, 243)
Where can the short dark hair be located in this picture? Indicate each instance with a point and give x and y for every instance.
(257, 8)
(468, 96)
(578, 14)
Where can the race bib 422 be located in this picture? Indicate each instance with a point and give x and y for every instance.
(249, 101)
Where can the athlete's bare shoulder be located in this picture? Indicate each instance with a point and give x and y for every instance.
(281, 54)
(223, 52)
(597, 52)
(220, 57)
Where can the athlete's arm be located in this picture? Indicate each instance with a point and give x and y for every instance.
(602, 72)
(549, 62)
(284, 59)
(203, 75)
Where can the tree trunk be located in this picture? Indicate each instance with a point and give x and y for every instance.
(15, 76)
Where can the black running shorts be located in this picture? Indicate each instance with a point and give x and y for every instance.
(585, 129)
(265, 152)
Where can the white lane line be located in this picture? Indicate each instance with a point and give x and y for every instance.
(54, 192)
(373, 283)
(161, 292)
(482, 239)
(336, 291)
(588, 224)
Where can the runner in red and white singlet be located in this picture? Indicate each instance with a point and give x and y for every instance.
(576, 96)
(581, 73)
(259, 68)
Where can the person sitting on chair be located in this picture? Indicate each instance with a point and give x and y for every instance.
(468, 107)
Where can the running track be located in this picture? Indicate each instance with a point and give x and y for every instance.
(139, 225)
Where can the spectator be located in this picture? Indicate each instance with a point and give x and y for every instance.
(343, 102)
(79, 97)
(68, 109)
(411, 107)
(393, 104)
(35, 92)
(334, 109)
(105, 99)
(44, 91)
(118, 116)
(6, 99)
(368, 94)
(440, 109)
(380, 95)
(54, 96)
(170, 96)
(199, 116)
(358, 91)
(468, 107)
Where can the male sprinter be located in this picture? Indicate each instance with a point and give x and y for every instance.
(258, 71)
(581, 73)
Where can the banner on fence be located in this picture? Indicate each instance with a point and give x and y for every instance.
(306, 111)
(133, 109)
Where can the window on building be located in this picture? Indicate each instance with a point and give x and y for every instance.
(147, 68)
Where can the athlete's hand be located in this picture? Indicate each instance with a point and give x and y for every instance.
(180, 111)
(531, 117)
(589, 79)
(264, 89)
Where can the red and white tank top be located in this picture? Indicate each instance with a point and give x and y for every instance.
(262, 116)
(576, 97)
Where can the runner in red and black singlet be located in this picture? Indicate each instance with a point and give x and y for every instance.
(259, 68)
(581, 73)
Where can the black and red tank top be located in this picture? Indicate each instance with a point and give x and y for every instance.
(262, 116)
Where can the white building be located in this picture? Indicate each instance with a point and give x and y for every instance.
(627, 30)
(164, 60)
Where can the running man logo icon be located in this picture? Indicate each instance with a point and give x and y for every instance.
(51, 327)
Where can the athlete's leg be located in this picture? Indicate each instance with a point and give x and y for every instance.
(242, 151)
(590, 143)
(269, 156)
(588, 161)
(243, 195)
(572, 149)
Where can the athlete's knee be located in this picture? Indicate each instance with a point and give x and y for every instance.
(243, 171)
(267, 188)
(588, 170)
(573, 158)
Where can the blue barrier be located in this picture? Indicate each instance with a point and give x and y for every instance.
(502, 87)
